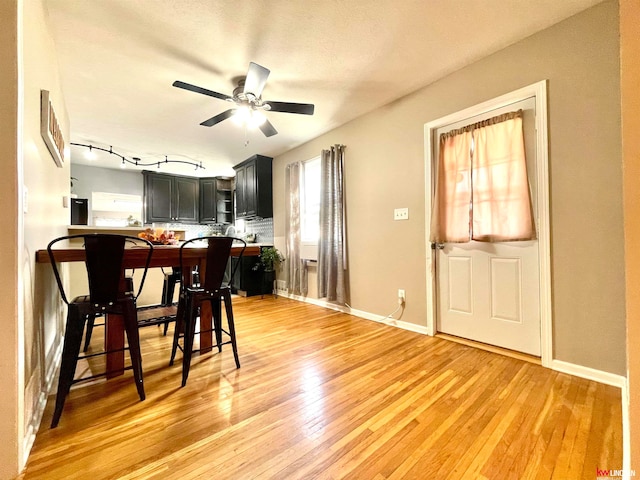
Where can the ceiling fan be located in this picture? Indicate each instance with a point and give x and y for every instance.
(247, 97)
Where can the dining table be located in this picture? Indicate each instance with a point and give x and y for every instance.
(162, 256)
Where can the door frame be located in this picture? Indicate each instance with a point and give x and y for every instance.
(539, 91)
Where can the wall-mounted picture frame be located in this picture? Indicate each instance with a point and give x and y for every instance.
(50, 129)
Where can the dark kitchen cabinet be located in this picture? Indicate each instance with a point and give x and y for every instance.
(254, 188)
(224, 200)
(170, 198)
(216, 200)
(246, 279)
(208, 200)
(158, 192)
(186, 200)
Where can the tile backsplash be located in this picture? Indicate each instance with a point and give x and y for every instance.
(263, 228)
(193, 231)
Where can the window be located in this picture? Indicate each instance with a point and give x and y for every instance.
(310, 201)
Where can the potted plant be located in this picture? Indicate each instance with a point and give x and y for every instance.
(270, 259)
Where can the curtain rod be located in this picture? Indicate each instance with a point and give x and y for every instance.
(483, 123)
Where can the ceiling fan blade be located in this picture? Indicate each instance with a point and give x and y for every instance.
(203, 91)
(268, 129)
(256, 79)
(218, 118)
(288, 107)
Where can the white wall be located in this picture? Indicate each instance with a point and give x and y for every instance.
(32, 318)
(9, 147)
(630, 95)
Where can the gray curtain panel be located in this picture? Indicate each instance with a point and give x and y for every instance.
(296, 267)
(332, 259)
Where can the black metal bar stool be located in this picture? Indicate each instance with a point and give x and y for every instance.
(169, 286)
(211, 289)
(91, 320)
(104, 254)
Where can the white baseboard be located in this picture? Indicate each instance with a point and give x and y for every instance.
(589, 373)
(626, 433)
(393, 322)
(38, 412)
(357, 313)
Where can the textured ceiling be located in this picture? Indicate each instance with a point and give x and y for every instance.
(118, 59)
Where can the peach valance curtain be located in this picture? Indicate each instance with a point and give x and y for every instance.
(482, 189)
(450, 219)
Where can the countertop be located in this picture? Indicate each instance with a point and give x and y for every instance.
(259, 244)
(106, 229)
(93, 227)
(80, 229)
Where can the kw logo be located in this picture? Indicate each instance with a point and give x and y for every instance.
(606, 473)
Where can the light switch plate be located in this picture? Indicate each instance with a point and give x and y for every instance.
(401, 214)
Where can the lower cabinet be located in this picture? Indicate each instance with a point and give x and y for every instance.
(246, 278)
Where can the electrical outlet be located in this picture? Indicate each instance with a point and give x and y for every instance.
(401, 214)
(401, 296)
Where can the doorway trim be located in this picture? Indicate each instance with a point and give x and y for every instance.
(539, 91)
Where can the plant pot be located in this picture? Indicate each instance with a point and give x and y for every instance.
(268, 279)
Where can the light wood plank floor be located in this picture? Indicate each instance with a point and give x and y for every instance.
(325, 395)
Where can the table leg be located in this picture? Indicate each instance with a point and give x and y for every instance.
(205, 324)
(205, 315)
(114, 340)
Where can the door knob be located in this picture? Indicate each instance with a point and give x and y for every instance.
(437, 246)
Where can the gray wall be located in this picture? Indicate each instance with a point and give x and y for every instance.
(384, 169)
(96, 179)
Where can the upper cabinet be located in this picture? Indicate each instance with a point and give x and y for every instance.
(170, 198)
(216, 200)
(180, 199)
(254, 188)
(208, 200)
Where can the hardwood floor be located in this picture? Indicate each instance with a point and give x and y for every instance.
(321, 394)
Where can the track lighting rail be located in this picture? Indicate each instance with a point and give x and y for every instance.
(136, 160)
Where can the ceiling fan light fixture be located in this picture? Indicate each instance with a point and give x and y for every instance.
(241, 115)
(244, 115)
(256, 118)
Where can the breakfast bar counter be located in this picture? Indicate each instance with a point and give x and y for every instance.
(162, 256)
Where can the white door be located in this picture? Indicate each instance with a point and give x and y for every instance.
(490, 292)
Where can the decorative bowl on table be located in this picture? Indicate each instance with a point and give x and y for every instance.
(160, 236)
